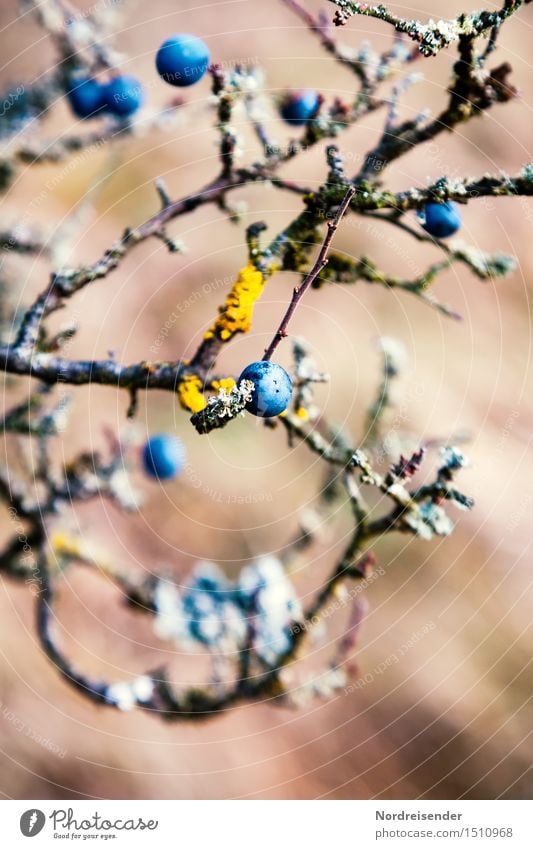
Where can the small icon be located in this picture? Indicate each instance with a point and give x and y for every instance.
(32, 822)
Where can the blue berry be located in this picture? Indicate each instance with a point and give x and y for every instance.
(206, 605)
(87, 97)
(298, 108)
(441, 219)
(124, 95)
(182, 60)
(163, 456)
(272, 388)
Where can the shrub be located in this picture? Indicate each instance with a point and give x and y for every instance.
(256, 621)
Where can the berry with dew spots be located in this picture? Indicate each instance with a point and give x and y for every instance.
(272, 390)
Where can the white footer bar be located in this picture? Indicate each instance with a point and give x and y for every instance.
(268, 824)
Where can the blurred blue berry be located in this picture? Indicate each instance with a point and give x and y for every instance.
(182, 60)
(299, 107)
(124, 95)
(87, 97)
(440, 219)
(212, 615)
(163, 456)
(272, 388)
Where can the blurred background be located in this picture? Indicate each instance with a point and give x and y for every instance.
(450, 717)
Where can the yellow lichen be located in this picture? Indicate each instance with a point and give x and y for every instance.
(65, 545)
(236, 314)
(190, 393)
(226, 383)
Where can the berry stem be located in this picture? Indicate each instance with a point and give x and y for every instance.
(320, 263)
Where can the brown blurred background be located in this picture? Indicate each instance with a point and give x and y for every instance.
(452, 716)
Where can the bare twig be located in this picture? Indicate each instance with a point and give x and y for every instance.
(433, 36)
(321, 261)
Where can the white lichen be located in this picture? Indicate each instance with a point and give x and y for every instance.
(169, 620)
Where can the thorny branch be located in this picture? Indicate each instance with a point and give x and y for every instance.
(179, 615)
(433, 36)
(320, 263)
(240, 619)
